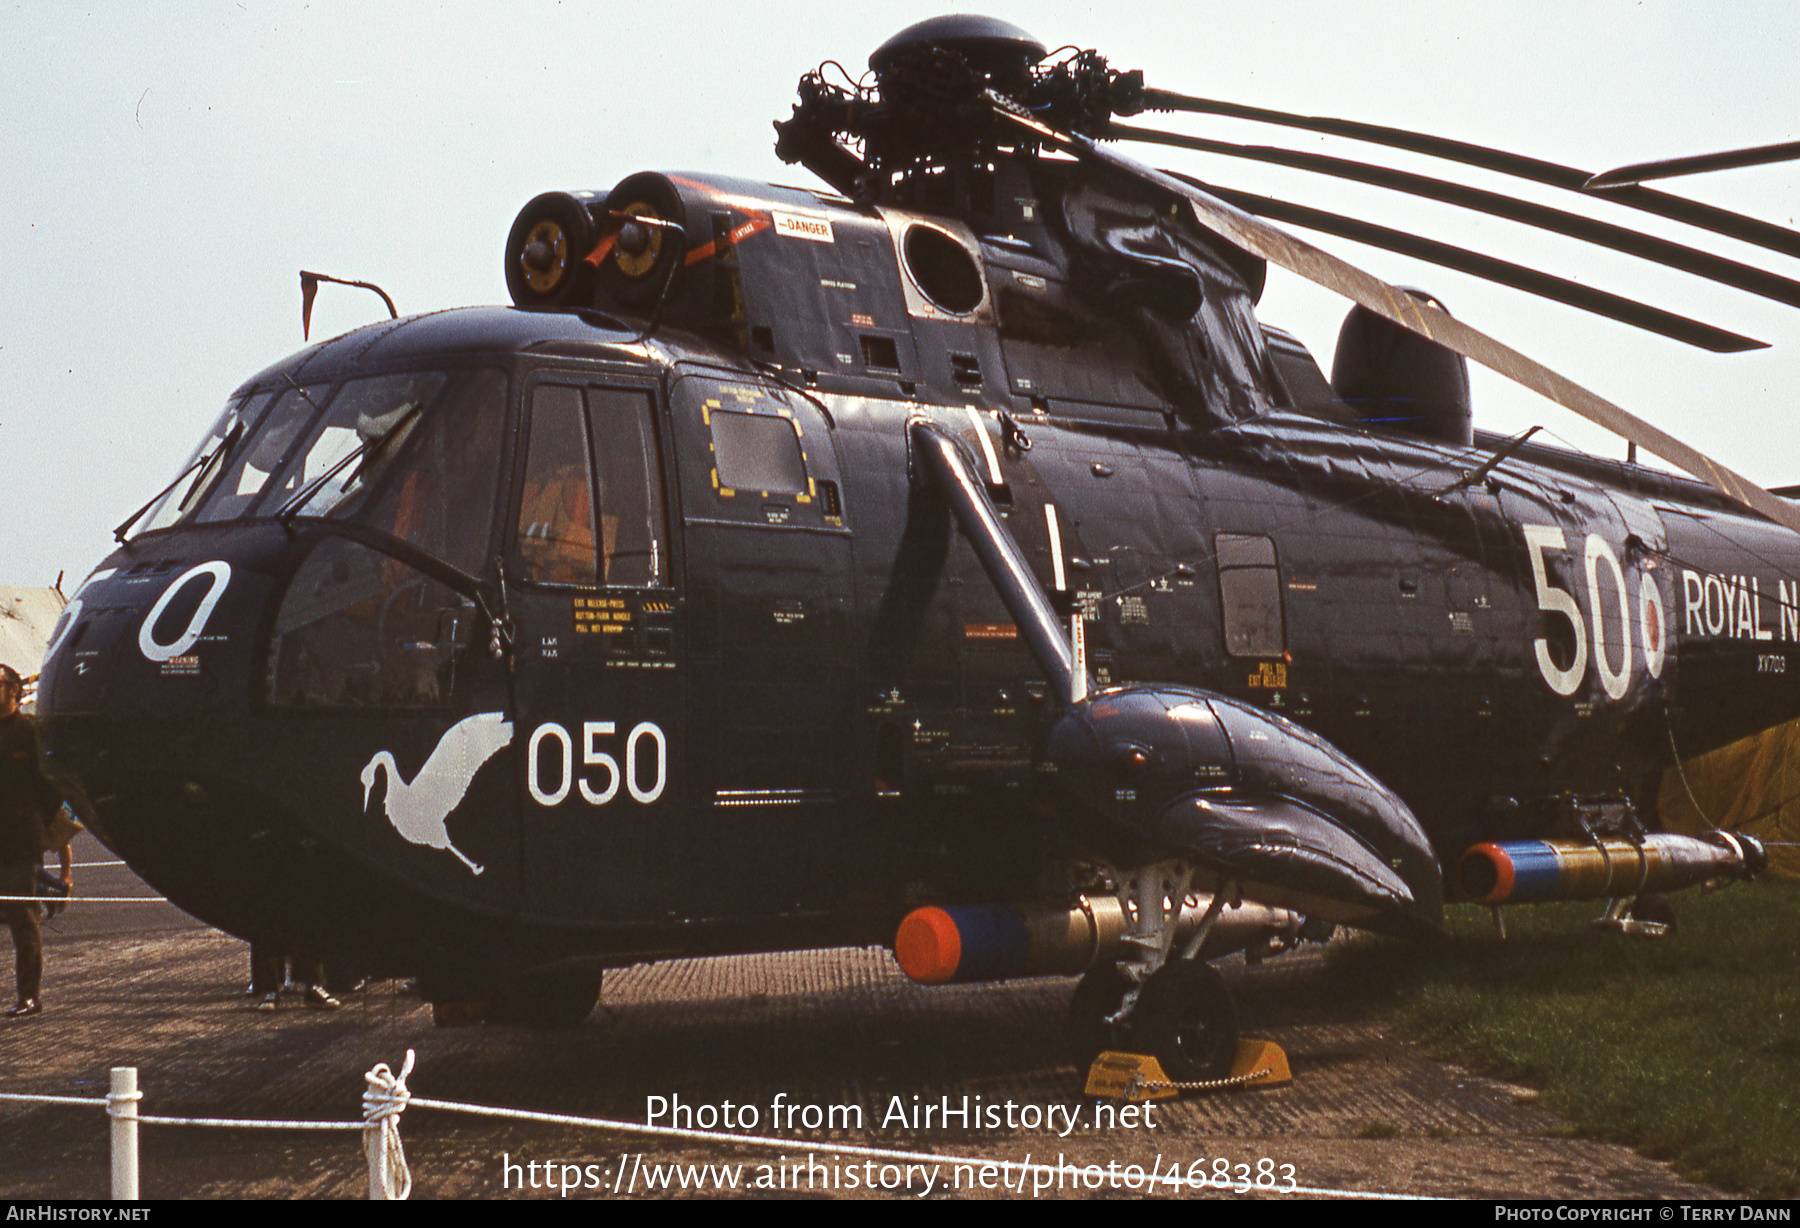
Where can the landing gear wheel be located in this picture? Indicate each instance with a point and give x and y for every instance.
(1186, 1018)
(562, 998)
(1098, 995)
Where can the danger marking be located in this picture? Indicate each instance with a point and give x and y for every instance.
(799, 226)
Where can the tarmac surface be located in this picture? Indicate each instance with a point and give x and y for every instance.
(843, 1030)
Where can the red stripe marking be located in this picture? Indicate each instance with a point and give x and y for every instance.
(601, 249)
(715, 248)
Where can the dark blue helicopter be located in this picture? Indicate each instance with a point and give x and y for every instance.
(950, 560)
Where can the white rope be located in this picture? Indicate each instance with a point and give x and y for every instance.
(82, 899)
(384, 1099)
(52, 1099)
(236, 1123)
(108, 1102)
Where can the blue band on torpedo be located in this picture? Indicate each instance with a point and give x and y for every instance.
(994, 942)
(1536, 870)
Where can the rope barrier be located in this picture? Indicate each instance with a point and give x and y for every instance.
(83, 899)
(844, 1149)
(94, 1100)
(245, 1123)
(386, 1097)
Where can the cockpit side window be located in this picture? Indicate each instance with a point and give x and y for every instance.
(632, 519)
(592, 509)
(435, 485)
(358, 628)
(556, 512)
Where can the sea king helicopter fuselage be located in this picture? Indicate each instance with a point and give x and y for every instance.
(955, 547)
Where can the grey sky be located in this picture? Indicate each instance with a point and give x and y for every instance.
(166, 174)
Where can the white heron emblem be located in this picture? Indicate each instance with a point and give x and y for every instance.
(417, 808)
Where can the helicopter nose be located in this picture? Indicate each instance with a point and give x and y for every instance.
(150, 674)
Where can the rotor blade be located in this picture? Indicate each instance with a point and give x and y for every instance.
(1719, 221)
(1297, 256)
(1604, 234)
(1613, 307)
(1668, 168)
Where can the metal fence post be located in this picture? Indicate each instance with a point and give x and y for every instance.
(122, 1108)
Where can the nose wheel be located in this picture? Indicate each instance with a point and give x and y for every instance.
(1184, 1017)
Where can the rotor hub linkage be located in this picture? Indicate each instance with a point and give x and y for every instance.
(929, 109)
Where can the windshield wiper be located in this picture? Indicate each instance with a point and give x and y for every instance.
(370, 447)
(204, 463)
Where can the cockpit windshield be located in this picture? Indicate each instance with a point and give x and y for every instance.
(201, 474)
(413, 453)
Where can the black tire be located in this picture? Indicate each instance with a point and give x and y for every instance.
(1186, 1018)
(562, 998)
(1098, 995)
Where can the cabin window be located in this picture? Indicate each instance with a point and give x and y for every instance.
(761, 454)
(757, 452)
(592, 507)
(1249, 595)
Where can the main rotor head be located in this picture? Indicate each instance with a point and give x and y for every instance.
(929, 109)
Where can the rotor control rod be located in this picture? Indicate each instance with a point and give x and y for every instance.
(941, 458)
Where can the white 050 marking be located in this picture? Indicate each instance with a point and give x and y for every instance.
(593, 756)
(1652, 625)
(220, 572)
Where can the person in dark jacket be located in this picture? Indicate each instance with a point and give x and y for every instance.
(28, 801)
